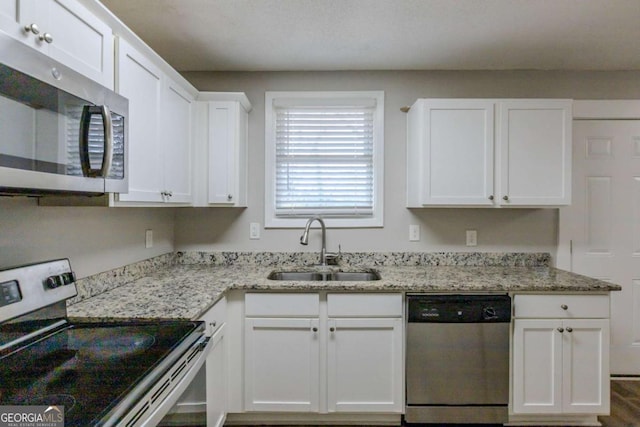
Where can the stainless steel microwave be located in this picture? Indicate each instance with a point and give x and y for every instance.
(60, 132)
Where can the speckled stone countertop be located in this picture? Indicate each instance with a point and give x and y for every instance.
(181, 290)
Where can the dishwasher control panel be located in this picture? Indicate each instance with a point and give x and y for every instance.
(458, 308)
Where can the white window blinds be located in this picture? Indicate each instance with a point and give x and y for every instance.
(324, 160)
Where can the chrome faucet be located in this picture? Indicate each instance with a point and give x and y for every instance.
(304, 239)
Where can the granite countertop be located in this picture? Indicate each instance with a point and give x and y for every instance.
(187, 291)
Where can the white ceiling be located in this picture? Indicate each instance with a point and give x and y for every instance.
(251, 35)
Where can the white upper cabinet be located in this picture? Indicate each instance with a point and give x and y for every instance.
(450, 152)
(176, 105)
(160, 125)
(64, 30)
(534, 142)
(221, 149)
(494, 153)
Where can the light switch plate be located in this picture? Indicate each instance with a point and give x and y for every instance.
(254, 231)
(472, 238)
(148, 239)
(414, 232)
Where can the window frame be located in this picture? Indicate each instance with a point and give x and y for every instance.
(314, 98)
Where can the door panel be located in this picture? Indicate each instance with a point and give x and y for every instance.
(603, 225)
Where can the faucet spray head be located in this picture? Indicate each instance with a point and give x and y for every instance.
(304, 239)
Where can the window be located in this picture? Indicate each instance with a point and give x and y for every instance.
(324, 156)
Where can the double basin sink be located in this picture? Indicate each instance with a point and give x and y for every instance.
(315, 276)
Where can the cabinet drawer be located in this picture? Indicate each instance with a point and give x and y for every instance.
(215, 317)
(364, 305)
(281, 305)
(561, 306)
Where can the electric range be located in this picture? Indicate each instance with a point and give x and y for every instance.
(99, 373)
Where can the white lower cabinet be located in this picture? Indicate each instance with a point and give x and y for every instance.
(561, 364)
(363, 365)
(281, 365)
(302, 355)
(216, 381)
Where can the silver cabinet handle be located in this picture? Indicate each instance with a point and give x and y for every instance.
(33, 28)
(505, 198)
(569, 329)
(46, 37)
(564, 306)
(561, 330)
(491, 197)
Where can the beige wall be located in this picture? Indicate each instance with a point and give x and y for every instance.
(98, 239)
(94, 239)
(442, 229)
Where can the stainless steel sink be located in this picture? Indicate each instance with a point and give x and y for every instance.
(355, 276)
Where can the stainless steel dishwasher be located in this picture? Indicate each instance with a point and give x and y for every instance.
(457, 358)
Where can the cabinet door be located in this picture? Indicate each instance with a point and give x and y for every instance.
(139, 80)
(585, 380)
(537, 366)
(175, 115)
(365, 365)
(79, 39)
(534, 144)
(454, 151)
(15, 16)
(282, 365)
(217, 381)
(223, 139)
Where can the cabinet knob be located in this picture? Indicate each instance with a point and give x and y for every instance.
(212, 324)
(332, 329)
(561, 330)
(46, 37)
(314, 329)
(33, 28)
(229, 197)
(505, 198)
(569, 329)
(491, 197)
(564, 306)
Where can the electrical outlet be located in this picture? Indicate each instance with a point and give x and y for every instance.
(414, 232)
(148, 239)
(254, 231)
(472, 238)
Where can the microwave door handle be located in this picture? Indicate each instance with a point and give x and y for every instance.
(108, 141)
(85, 122)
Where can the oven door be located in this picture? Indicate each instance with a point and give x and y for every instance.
(163, 395)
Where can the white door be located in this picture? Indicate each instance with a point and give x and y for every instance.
(223, 119)
(603, 225)
(457, 152)
(537, 366)
(175, 126)
(282, 365)
(364, 365)
(140, 81)
(216, 388)
(534, 150)
(585, 379)
(79, 39)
